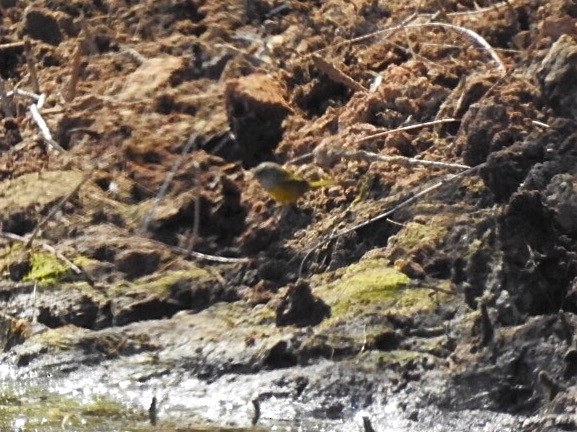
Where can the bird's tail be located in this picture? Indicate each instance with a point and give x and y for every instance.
(320, 183)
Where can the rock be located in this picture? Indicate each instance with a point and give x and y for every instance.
(479, 133)
(23, 196)
(136, 263)
(506, 169)
(300, 308)
(10, 134)
(19, 269)
(196, 296)
(42, 24)
(13, 331)
(75, 308)
(256, 108)
(151, 76)
(561, 197)
(280, 356)
(149, 308)
(556, 75)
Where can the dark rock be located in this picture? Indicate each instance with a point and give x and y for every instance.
(506, 169)
(256, 107)
(300, 308)
(136, 263)
(280, 356)
(43, 25)
(570, 359)
(550, 385)
(149, 308)
(561, 198)
(10, 136)
(556, 75)
(197, 296)
(273, 270)
(78, 309)
(386, 340)
(19, 222)
(536, 271)
(19, 269)
(479, 132)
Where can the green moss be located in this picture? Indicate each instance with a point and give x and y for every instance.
(61, 338)
(105, 408)
(46, 269)
(37, 409)
(161, 283)
(415, 236)
(362, 287)
(373, 286)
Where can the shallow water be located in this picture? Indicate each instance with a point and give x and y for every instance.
(111, 397)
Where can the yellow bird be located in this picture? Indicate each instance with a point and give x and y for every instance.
(283, 186)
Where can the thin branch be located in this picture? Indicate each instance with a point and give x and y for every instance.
(480, 10)
(31, 66)
(201, 256)
(405, 128)
(472, 35)
(46, 135)
(70, 92)
(89, 36)
(463, 30)
(4, 99)
(387, 213)
(367, 36)
(20, 92)
(196, 223)
(11, 45)
(134, 55)
(539, 123)
(402, 160)
(336, 75)
(207, 257)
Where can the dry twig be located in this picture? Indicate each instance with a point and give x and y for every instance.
(11, 45)
(5, 99)
(463, 30)
(405, 128)
(202, 256)
(336, 74)
(46, 135)
(70, 92)
(31, 66)
(402, 160)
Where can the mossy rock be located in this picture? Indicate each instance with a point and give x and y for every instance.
(46, 269)
(161, 283)
(369, 287)
(416, 236)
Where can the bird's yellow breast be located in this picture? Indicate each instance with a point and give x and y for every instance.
(288, 191)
